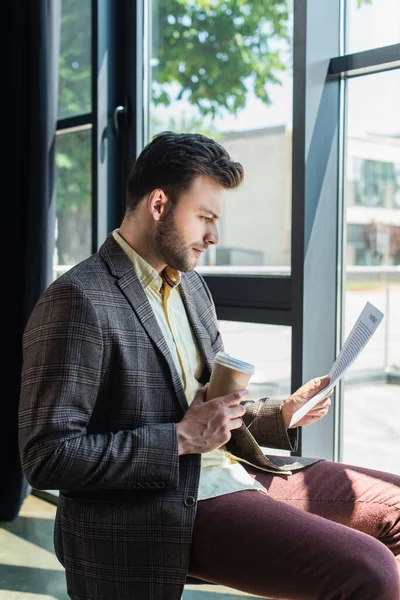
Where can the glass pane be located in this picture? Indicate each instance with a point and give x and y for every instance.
(371, 436)
(372, 23)
(73, 232)
(75, 79)
(225, 70)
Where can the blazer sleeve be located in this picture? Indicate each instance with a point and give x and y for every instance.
(61, 376)
(264, 420)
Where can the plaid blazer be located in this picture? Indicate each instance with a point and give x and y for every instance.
(100, 397)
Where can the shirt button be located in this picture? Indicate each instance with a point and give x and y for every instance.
(189, 501)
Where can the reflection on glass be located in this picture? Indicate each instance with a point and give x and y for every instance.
(372, 385)
(372, 23)
(224, 70)
(75, 59)
(73, 216)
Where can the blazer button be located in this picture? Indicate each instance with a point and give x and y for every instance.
(153, 484)
(189, 501)
(145, 485)
(161, 484)
(137, 486)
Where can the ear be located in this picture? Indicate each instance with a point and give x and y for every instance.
(157, 204)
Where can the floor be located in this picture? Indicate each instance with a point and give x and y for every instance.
(29, 569)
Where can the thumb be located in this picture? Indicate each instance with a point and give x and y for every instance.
(324, 381)
(319, 383)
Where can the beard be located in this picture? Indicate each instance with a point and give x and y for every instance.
(170, 247)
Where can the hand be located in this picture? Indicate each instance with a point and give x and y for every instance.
(301, 396)
(208, 425)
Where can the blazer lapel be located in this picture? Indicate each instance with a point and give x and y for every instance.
(129, 284)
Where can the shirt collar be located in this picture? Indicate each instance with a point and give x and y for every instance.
(148, 276)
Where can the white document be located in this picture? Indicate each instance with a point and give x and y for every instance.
(362, 331)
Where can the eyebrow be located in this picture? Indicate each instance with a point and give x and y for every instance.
(208, 210)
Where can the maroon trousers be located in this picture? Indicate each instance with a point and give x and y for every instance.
(327, 532)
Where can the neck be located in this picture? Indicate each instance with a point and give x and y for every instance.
(141, 240)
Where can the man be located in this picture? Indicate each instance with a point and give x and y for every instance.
(155, 483)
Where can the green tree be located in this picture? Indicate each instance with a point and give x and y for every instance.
(212, 50)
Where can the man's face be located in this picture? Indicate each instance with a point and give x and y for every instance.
(187, 229)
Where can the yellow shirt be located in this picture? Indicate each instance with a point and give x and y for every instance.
(220, 473)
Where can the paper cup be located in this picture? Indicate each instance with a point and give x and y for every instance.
(228, 375)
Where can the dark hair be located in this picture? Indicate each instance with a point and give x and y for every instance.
(171, 161)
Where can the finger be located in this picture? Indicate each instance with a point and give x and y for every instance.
(236, 411)
(234, 398)
(319, 413)
(316, 385)
(235, 423)
(200, 395)
(326, 398)
(323, 404)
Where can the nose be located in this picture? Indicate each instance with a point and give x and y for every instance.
(212, 235)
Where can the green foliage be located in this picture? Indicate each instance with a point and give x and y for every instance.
(212, 49)
(75, 59)
(73, 166)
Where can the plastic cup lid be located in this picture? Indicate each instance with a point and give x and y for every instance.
(224, 359)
